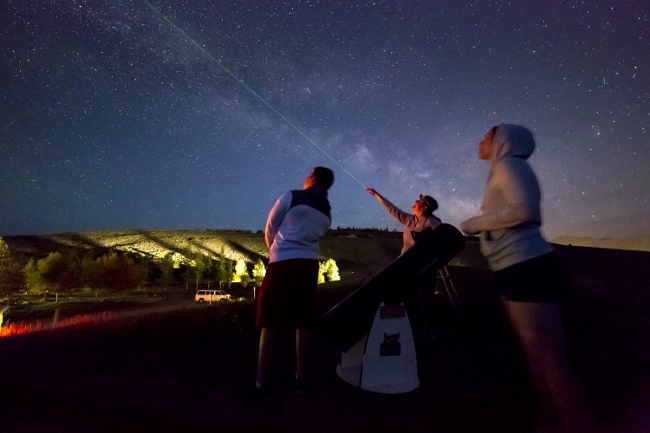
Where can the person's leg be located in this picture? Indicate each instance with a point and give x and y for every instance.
(538, 327)
(304, 299)
(271, 312)
(267, 348)
(303, 347)
(303, 381)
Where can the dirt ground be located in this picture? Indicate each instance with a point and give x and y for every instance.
(183, 372)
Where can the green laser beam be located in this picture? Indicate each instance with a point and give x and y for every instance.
(248, 88)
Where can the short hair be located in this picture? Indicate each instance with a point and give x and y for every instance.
(323, 176)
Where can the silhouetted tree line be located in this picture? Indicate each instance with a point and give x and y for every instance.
(59, 272)
(337, 229)
(227, 231)
(362, 230)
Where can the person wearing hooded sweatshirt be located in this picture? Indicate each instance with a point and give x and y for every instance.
(529, 274)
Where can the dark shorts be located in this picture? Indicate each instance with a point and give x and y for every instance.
(287, 297)
(541, 279)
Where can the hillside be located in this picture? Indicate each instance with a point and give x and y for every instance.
(353, 250)
(636, 243)
(360, 252)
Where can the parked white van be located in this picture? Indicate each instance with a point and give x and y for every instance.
(211, 296)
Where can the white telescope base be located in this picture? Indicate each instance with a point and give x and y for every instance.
(384, 361)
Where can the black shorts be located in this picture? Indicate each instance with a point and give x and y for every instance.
(540, 279)
(287, 298)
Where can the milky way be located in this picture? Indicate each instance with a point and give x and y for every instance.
(113, 118)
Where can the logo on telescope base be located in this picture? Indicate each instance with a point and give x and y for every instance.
(391, 345)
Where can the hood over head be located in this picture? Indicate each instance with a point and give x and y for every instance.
(512, 141)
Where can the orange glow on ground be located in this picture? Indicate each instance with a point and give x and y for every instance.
(81, 319)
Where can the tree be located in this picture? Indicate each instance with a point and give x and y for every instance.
(259, 271)
(11, 275)
(210, 270)
(117, 272)
(59, 272)
(167, 266)
(33, 276)
(328, 271)
(331, 270)
(187, 255)
(90, 271)
(224, 269)
(200, 266)
(4, 249)
(145, 270)
(321, 272)
(241, 272)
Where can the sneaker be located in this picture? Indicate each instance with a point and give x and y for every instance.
(302, 385)
(257, 392)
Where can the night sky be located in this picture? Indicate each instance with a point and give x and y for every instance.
(112, 117)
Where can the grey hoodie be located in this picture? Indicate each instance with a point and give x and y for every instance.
(511, 216)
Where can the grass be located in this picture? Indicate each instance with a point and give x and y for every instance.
(181, 370)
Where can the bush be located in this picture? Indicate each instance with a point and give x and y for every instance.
(112, 271)
(328, 271)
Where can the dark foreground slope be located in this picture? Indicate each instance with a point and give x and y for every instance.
(182, 371)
